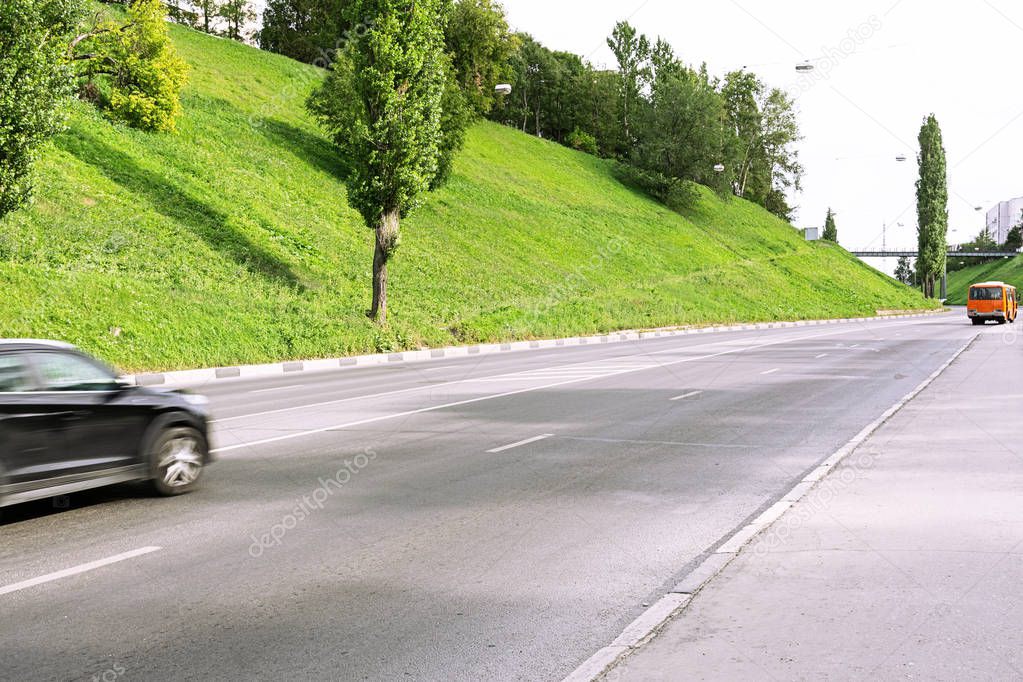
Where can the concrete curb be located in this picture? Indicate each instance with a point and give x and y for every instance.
(655, 618)
(200, 377)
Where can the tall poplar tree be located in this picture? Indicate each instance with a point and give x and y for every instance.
(383, 106)
(931, 207)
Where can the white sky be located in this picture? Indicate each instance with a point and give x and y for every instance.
(955, 59)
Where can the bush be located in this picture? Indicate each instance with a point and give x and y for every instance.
(583, 141)
(678, 195)
(140, 75)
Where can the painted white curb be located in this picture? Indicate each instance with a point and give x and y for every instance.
(200, 377)
(654, 619)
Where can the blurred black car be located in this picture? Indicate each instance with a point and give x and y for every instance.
(67, 424)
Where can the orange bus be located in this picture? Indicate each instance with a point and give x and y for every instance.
(992, 301)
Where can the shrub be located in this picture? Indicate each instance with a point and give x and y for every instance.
(676, 194)
(140, 75)
(583, 141)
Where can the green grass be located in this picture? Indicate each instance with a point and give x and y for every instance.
(231, 241)
(1008, 271)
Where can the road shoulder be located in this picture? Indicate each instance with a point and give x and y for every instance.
(905, 561)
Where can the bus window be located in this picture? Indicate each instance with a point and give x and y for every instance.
(986, 294)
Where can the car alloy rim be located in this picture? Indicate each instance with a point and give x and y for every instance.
(180, 461)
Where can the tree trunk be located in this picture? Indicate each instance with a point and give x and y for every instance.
(525, 110)
(386, 242)
(625, 117)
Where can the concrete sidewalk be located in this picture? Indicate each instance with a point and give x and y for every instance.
(905, 563)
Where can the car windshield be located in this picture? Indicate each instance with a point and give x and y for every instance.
(986, 294)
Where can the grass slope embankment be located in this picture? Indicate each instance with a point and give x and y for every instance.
(231, 241)
(1008, 271)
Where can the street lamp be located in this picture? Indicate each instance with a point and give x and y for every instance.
(901, 158)
(503, 89)
(719, 168)
(805, 67)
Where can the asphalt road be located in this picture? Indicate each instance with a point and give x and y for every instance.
(497, 517)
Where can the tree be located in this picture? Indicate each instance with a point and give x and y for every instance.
(781, 170)
(765, 130)
(532, 67)
(311, 31)
(982, 242)
(931, 206)
(663, 64)
(207, 11)
(35, 83)
(830, 228)
(904, 271)
(742, 92)
(132, 69)
(1014, 240)
(456, 117)
(632, 51)
(382, 105)
(600, 113)
(480, 44)
(681, 129)
(235, 13)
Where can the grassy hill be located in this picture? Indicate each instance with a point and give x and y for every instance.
(1010, 271)
(231, 241)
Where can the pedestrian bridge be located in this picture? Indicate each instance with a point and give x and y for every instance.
(893, 253)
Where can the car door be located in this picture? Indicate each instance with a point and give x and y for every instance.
(31, 437)
(102, 426)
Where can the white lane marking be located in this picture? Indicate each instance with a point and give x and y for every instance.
(548, 376)
(852, 347)
(770, 371)
(686, 395)
(822, 355)
(520, 443)
(506, 394)
(277, 388)
(617, 358)
(75, 570)
(567, 372)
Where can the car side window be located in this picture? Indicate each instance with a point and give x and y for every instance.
(68, 372)
(14, 374)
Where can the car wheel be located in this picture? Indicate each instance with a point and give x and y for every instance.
(977, 322)
(1001, 320)
(177, 460)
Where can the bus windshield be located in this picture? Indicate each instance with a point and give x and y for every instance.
(986, 294)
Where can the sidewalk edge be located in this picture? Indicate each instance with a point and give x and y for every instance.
(194, 378)
(665, 610)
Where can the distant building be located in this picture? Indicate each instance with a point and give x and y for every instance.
(1004, 217)
(812, 234)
